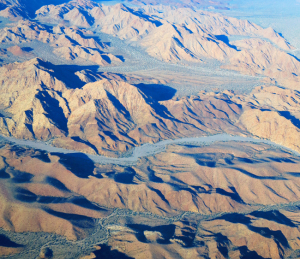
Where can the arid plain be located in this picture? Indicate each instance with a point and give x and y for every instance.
(146, 130)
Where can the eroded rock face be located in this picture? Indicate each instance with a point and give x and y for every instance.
(70, 43)
(182, 34)
(183, 239)
(233, 185)
(272, 113)
(168, 34)
(218, 200)
(101, 113)
(260, 57)
(97, 113)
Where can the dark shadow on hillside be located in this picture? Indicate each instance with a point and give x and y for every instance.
(225, 39)
(106, 253)
(145, 17)
(222, 244)
(152, 176)
(233, 195)
(125, 177)
(85, 203)
(160, 194)
(53, 111)
(295, 174)
(286, 114)
(157, 92)
(6, 242)
(178, 187)
(66, 73)
(294, 57)
(3, 174)
(245, 172)
(119, 106)
(56, 184)
(77, 220)
(247, 254)
(121, 58)
(282, 160)
(78, 163)
(24, 195)
(78, 139)
(90, 20)
(275, 216)
(43, 156)
(19, 176)
(33, 5)
(276, 235)
(106, 58)
(236, 218)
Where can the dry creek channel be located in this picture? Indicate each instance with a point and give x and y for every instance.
(146, 149)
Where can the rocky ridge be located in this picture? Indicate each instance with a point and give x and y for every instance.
(95, 113)
(168, 34)
(216, 200)
(68, 42)
(183, 34)
(222, 218)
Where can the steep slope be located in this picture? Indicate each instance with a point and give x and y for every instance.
(110, 115)
(260, 57)
(124, 22)
(273, 113)
(18, 9)
(182, 34)
(75, 11)
(98, 113)
(217, 24)
(174, 43)
(161, 39)
(68, 42)
(33, 98)
(118, 19)
(192, 199)
(261, 234)
(69, 194)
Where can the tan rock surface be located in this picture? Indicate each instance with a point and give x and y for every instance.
(183, 34)
(222, 200)
(18, 51)
(69, 43)
(100, 116)
(100, 113)
(174, 43)
(273, 113)
(260, 57)
(56, 193)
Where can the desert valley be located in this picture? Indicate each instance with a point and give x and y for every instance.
(148, 129)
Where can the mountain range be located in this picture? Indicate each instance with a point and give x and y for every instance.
(112, 146)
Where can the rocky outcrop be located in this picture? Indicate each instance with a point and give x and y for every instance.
(258, 57)
(102, 113)
(233, 185)
(69, 43)
(182, 34)
(110, 115)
